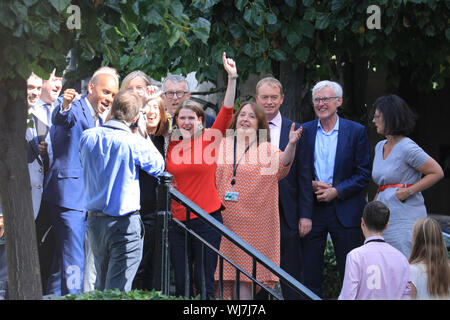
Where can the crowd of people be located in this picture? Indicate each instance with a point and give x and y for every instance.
(94, 161)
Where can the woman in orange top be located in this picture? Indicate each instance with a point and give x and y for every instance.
(191, 160)
(248, 170)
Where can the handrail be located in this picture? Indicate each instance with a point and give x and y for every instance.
(166, 192)
(230, 235)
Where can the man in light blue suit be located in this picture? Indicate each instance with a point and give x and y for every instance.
(338, 154)
(64, 189)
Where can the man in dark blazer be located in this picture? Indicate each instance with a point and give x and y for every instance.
(64, 190)
(295, 190)
(338, 153)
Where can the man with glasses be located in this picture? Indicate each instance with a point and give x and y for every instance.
(338, 152)
(294, 189)
(176, 90)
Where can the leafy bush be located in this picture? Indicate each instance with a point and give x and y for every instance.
(120, 295)
(331, 285)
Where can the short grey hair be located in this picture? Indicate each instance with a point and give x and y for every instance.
(326, 83)
(135, 74)
(175, 78)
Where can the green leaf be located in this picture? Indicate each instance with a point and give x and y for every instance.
(271, 18)
(7, 18)
(290, 3)
(307, 29)
(60, 5)
(277, 55)
(19, 10)
(248, 15)
(337, 5)
(322, 21)
(240, 4)
(308, 3)
(302, 54)
(202, 28)
(447, 33)
(293, 38)
(236, 30)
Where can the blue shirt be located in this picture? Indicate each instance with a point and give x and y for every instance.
(111, 157)
(325, 153)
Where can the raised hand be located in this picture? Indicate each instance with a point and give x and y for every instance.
(295, 135)
(68, 98)
(229, 65)
(151, 92)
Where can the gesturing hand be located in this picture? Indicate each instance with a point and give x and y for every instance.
(229, 65)
(69, 96)
(295, 135)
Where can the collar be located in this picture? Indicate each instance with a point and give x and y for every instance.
(373, 238)
(91, 109)
(117, 124)
(335, 128)
(277, 120)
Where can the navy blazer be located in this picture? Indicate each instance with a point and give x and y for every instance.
(64, 185)
(351, 168)
(295, 190)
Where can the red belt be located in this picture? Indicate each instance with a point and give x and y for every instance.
(398, 185)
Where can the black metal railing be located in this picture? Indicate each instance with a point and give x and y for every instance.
(162, 262)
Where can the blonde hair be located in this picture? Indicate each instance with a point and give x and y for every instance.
(429, 248)
(271, 81)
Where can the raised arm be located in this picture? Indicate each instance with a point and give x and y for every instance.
(230, 67)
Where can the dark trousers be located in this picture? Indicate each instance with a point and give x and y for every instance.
(344, 240)
(195, 252)
(46, 242)
(144, 276)
(291, 258)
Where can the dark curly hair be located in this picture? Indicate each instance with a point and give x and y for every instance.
(399, 119)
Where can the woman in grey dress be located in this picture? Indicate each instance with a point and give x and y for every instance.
(401, 169)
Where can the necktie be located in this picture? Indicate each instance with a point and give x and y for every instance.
(49, 115)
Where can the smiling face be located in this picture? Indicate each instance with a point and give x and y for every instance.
(270, 98)
(102, 90)
(246, 119)
(326, 110)
(51, 89)
(188, 122)
(34, 88)
(153, 114)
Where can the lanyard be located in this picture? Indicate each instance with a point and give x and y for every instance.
(235, 165)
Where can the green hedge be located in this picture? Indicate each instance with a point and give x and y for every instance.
(331, 285)
(120, 295)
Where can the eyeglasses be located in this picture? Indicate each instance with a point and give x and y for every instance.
(324, 99)
(171, 94)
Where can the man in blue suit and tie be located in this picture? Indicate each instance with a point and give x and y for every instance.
(295, 190)
(64, 190)
(338, 153)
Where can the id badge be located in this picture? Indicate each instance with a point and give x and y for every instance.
(231, 196)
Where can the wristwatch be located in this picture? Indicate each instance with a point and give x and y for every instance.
(410, 192)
